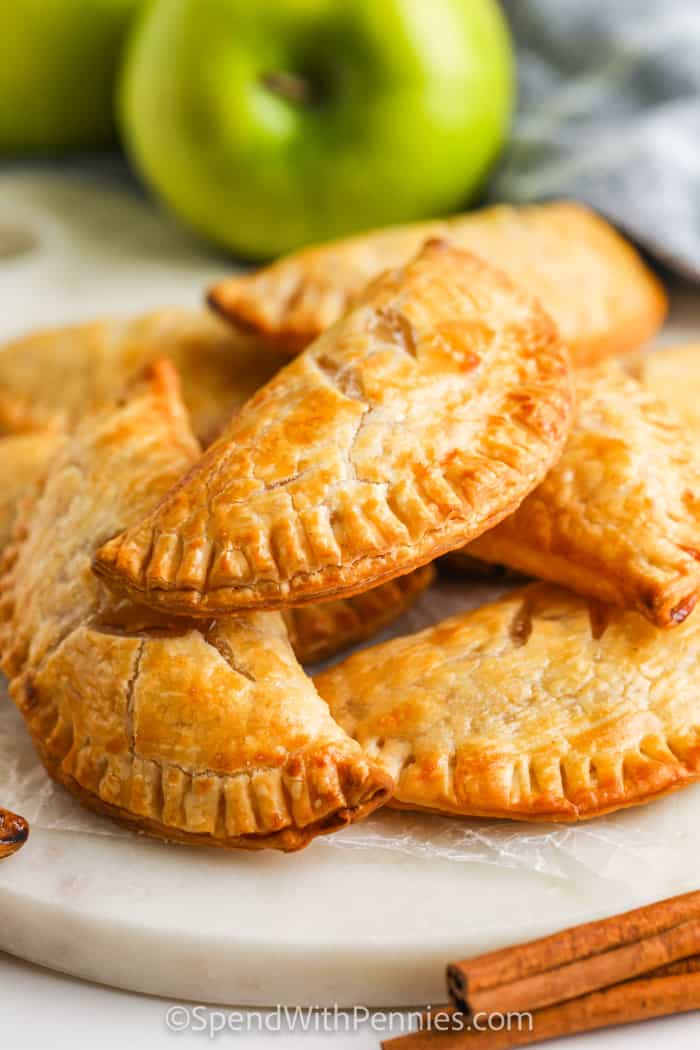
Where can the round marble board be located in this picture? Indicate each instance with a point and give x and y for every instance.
(334, 924)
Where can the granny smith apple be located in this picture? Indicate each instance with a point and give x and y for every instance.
(267, 124)
(58, 64)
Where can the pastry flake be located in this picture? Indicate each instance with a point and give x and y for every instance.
(205, 733)
(541, 706)
(618, 517)
(51, 378)
(419, 420)
(319, 631)
(591, 281)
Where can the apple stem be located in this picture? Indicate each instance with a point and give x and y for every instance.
(290, 86)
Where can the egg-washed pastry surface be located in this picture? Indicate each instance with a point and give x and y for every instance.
(541, 706)
(321, 630)
(618, 517)
(592, 282)
(51, 378)
(673, 375)
(207, 734)
(419, 420)
(23, 460)
(315, 631)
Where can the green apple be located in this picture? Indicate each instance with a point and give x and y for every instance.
(267, 124)
(58, 65)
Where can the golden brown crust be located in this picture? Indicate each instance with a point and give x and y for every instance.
(618, 517)
(205, 733)
(52, 378)
(673, 375)
(541, 706)
(602, 297)
(322, 630)
(418, 421)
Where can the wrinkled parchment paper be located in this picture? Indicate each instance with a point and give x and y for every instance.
(634, 841)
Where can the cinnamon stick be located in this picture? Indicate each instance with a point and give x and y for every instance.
(636, 1000)
(578, 960)
(14, 832)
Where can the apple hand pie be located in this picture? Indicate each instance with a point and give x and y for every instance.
(673, 375)
(322, 630)
(418, 421)
(618, 517)
(315, 631)
(602, 297)
(53, 377)
(540, 706)
(205, 733)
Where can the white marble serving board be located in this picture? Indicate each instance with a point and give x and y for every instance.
(334, 924)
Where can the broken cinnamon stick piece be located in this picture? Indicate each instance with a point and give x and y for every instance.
(636, 1000)
(14, 832)
(578, 960)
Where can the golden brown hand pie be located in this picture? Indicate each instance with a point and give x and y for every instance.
(23, 461)
(419, 420)
(540, 706)
(618, 517)
(319, 631)
(52, 378)
(590, 280)
(207, 734)
(673, 375)
(315, 631)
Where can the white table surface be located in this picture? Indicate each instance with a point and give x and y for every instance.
(39, 1008)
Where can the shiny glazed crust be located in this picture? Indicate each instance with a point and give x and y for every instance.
(322, 630)
(417, 422)
(540, 706)
(592, 282)
(51, 378)
(618, 517)
(205, 733)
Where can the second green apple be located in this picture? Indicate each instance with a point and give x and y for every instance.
(272, 124)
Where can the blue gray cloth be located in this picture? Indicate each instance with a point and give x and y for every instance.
(609, 113)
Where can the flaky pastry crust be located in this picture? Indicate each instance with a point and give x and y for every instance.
(673, 375)
(52, 378)
(418, 421)
(24, 459)
(206, 733)
(541, 706)
(591, 281)
(618, 517)
(322, 630)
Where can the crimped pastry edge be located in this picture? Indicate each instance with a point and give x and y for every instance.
(666, 776)
(318, 782)
(320, 585)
